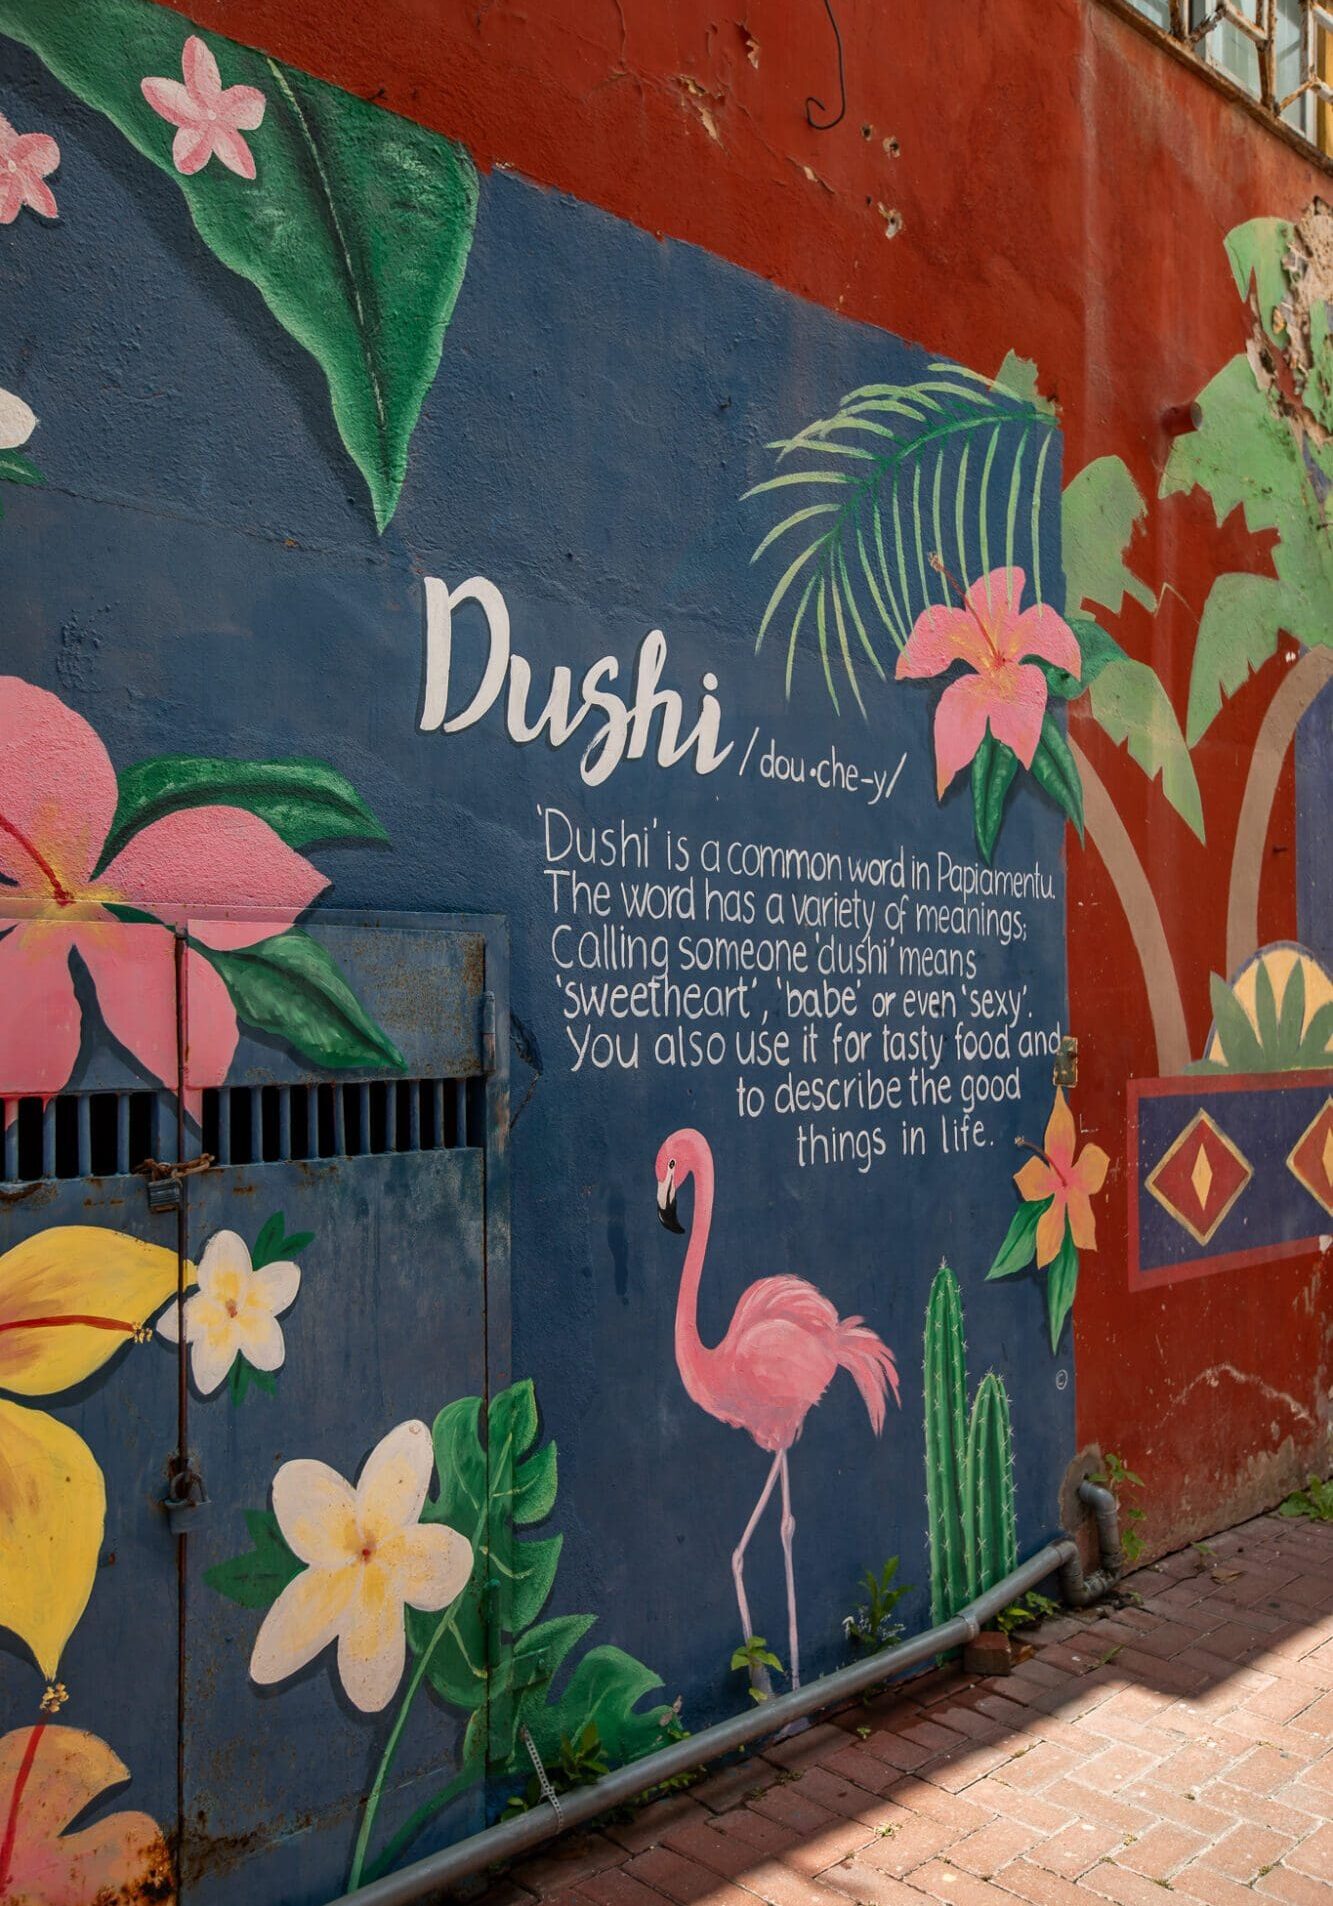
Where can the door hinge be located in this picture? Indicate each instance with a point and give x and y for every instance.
(486, 1012)
(1065, 1073)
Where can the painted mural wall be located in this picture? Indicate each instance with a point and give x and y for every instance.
(384, 537)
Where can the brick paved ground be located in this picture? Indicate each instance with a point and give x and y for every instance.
(1184, 1744)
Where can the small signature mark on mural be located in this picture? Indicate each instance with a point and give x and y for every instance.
(782, 1349)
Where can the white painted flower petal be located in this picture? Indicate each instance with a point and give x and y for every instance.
(392, 1488)
(372, 1646)
(277, 1284)
(17, 421)
(430, 1565)
(260, 1338)
(316, 1511)
(212, 1353)
(304, 1619)
(225, 1260)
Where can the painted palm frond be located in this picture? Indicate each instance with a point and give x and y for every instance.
(903, 497)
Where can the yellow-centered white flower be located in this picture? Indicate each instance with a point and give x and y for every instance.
(233, 1313)
(368, 1556)
(17, 421)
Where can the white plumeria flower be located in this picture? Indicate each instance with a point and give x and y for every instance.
(233, 1313)
(17, 421)
(367, 1556)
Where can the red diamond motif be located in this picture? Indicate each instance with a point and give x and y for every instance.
(1199, 1177)
(1310, 1161)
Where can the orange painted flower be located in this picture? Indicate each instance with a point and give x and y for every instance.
(1069, 1182)
(50, 1776)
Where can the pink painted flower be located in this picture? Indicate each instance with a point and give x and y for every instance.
(211, 117)
(992, 636)
(57, 801)
(25, 160)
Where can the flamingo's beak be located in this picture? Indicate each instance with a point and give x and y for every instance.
(666, 1203)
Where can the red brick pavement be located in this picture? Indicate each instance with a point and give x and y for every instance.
(1183, 1744)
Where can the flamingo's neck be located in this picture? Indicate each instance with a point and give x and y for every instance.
(691, 1353)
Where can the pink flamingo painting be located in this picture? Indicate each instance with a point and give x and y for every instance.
(783, 1347)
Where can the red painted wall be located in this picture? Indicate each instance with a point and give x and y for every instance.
(1056, 184)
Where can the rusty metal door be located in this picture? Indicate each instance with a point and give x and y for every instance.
(384, 1186)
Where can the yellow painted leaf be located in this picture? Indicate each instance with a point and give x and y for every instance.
(52, 1514)
(48, 1777)
(70, 1297)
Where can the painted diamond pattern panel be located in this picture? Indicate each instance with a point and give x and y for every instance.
(1311, 1158)
(1199, 1177)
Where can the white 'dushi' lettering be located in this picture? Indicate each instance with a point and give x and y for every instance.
(625, 730)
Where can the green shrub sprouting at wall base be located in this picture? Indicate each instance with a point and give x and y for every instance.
(969, 1463)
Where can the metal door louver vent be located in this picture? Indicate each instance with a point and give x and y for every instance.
(104, 1134)
(252, 1125)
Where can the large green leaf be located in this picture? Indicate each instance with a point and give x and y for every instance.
(291, 988)
(302, 801)
(604, 1691)
(1020, 1240)
(993, 769)
(485, 1493)
(1130, 704)
(355, 231)
(1099, 510)
(1246, 456)
(1061, 1286)
(256, 1578)
(1056, 772)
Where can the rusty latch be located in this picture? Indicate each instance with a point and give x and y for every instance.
(1066, 1063)
(164, 1181)
(186, 1498)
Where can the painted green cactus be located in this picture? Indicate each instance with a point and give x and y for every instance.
(969, 1463)
(989, 1528)
(946, 1444)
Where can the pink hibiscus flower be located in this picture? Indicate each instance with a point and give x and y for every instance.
(992, 636)
(211, 117)
(57, 802)
(25, 160)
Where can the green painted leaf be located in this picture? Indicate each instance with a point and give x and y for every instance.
(521, 1684)
(302, 801)
(1314, 1048)
(16, 468)
(267, 1246)
(256, 1578)
(1129, 703)
(291, 988)
(1019, 375)
(993, 769)
(1265, 1014)
(1099, 511)
(604, 1690)
(355, 231)
(1020, 1240)
(1292, 1019)
(1061, 1285)
(1256, 250)
(1053, 770)
(1240, 1044)
(1247, 457)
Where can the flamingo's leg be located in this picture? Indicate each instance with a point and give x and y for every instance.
(738, 1555)
(788, 1531)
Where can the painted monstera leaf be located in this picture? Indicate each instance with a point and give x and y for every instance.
(1100, 510)
(1267, 459)
(355, 230)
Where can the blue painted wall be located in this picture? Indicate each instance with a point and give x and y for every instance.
(200, 575)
